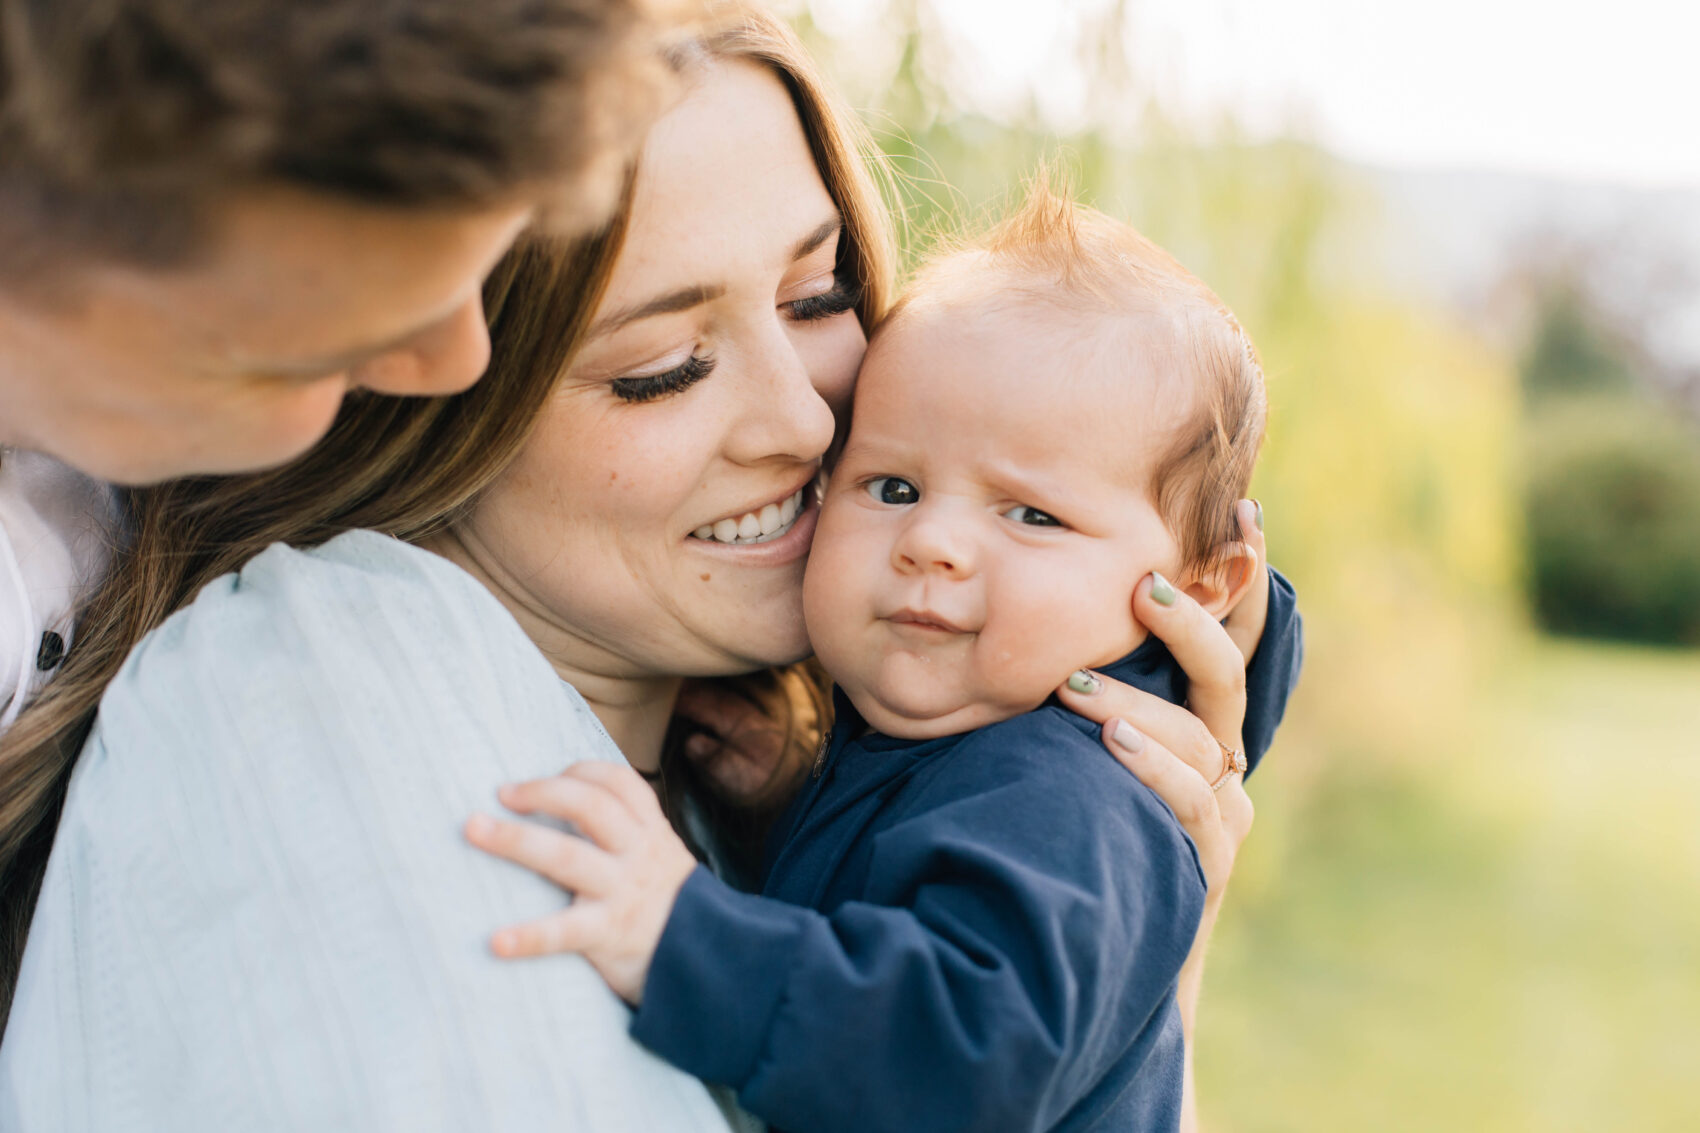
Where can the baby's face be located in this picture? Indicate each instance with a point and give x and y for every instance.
(984, 530)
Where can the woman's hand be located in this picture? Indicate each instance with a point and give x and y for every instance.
(625, 873)
(1176, 752)
(1179, 753)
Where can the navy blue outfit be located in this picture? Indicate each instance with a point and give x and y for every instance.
(978, 932)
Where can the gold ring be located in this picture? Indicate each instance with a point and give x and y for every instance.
(1233, 763)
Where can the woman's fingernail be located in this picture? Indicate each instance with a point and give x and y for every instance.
(1127, 737)
(479, 826)
(504, 943)
(1085, 683)
(1257, 508)
(1162, 590)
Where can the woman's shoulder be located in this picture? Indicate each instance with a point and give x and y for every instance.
(359, 580)
(267, 814)
(364, 652)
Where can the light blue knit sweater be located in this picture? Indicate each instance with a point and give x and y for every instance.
(259, 912)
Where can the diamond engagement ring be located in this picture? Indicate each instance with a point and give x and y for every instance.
(1233, 763)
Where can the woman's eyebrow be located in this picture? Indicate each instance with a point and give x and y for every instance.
(828, 229)
(681, 300)
(687, 297)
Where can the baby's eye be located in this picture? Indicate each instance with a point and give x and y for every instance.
(1031, 516)
(891, 490)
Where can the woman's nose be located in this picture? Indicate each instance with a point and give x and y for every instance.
(784, 415)
(935, 543)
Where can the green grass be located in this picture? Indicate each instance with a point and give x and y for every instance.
(1505, 936)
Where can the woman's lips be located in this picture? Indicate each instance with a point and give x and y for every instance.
(784, 547)
(762, 523)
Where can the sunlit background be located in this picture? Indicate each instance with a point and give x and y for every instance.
(1466, 237)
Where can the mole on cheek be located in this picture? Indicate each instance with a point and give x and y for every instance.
(705, 578)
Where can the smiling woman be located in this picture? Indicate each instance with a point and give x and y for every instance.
(676, 371)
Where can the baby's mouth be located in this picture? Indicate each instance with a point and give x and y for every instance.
(924, 620)
(763, 526)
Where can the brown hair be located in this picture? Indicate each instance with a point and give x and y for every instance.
(407, 467)
(1052, 250)
(122, 122)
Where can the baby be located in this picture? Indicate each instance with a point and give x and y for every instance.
(973, 917)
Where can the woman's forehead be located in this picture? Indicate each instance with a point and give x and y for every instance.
(727, 180)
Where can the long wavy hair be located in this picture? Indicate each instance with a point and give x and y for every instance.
(410, 467)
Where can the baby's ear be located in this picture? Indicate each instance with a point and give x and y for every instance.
(1220, 587)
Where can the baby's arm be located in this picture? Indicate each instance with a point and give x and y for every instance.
(997, 970)
(1274, 669)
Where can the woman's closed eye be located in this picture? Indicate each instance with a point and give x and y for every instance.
(1032, 516)
(648, 387)
(843, 296)
(893, 490)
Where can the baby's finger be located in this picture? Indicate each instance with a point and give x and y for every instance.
(1101, 700)
(1246, 621)
(600, 813)
(573, 929)
(572, 863)
(621, 781)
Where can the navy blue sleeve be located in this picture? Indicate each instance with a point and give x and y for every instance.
(1016, 943)
(1274, 669)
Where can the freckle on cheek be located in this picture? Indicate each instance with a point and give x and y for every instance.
(705, 578)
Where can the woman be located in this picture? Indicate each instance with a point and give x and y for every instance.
(257, 912)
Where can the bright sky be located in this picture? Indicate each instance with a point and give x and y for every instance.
(1600, 91)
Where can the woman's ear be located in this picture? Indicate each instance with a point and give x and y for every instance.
(1220, 587)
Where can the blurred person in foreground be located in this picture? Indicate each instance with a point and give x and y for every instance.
(218, 217)
(258, 912)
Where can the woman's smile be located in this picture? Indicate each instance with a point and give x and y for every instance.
(761, 523)
(787, 542)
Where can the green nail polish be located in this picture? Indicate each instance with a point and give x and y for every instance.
(1084, 683)
(1258, 504)
(1162, 590)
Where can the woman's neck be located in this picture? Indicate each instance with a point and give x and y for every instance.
(634, 709)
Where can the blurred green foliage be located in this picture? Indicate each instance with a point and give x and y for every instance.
(1613, 516)
(1460, 907)
(1571, 351)
(1611, 483)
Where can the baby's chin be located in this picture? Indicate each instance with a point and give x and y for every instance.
(905, 715)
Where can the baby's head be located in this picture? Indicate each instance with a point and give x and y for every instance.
(1052, 412)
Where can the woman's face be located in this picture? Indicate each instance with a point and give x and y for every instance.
(652, 525)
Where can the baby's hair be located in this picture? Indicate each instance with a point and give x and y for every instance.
(1054, 250)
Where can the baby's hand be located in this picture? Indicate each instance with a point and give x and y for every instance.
(625, 872)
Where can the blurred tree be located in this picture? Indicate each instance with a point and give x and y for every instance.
(1613, 514)
(1571, 349)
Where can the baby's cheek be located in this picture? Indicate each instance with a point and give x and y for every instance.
(837, 582)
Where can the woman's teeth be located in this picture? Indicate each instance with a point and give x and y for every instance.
(762, 526)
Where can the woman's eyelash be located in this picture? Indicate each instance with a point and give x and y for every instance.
(845, 295)
(651, 386)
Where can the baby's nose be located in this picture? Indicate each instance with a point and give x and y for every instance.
(934, 546)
